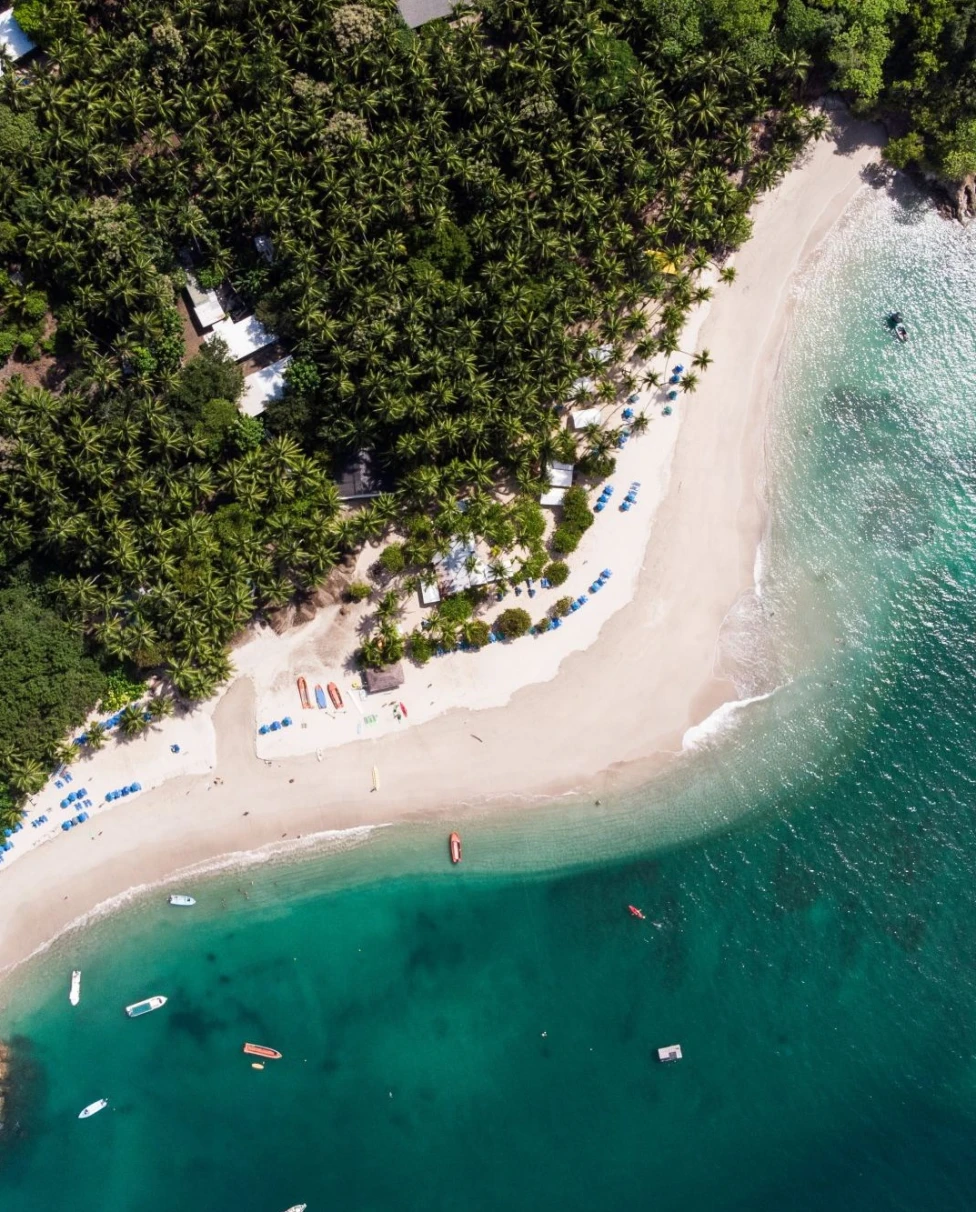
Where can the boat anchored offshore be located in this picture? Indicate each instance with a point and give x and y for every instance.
(145, 1006)
(297, 1208)
(74, 996)
(260, 1050)
(454, 845)
(671, 1053)
(897, 326)
(93, 1108)
(179, 898)
(635, 912)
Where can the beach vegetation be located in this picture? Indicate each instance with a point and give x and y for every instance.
(557, 573)
(392, 559)
(421, 648)
(513, 623)
(358, 591)
(121, 688)
(457, 216)
(96, 735)
(561, 607)
(543, 624)
(476, 632)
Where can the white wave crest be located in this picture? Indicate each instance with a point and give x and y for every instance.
(721, 719)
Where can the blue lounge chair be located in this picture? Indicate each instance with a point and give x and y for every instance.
(606, 574)
(598, 507)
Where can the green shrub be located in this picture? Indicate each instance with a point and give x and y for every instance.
(476, 632)
(556, 573)
(302, 377)
(513, 623)
(120, 690)
(18, 134)
(544, 623)
(31, 19)
(392, 559)
(562, 607)
(565, 540)
(456, 609)
(533, 566)
(208, 278)
(576, 509)
(211, 375)
(8, 343)
(421, 648)
(358, 591)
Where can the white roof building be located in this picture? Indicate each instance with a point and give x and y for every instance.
(585, 384)
(207, 308)
(244, 338)
(462, 568)
(585, 416)
(12, 38)
(263, 386)
(560, 476)
(419, 12)
(602, 353)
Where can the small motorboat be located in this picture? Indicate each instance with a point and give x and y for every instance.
(320, 697)
(897, 326)
(146, 1006)
(335, 696)
(376, 778)
(93, 1108)
(181, 899)
(303, 693)
(297, 1208)
(635, 912)
(454, 844)
(74, 995)
(260, 1050)
(257, 1064)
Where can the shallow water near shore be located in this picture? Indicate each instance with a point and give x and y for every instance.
(484, 1038)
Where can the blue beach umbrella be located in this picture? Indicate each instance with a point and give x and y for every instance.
(276, 727)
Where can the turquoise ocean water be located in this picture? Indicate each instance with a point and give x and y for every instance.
(484, 1038)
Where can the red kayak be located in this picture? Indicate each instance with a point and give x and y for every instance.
(455, 844)
(335, 696)
(635, 912)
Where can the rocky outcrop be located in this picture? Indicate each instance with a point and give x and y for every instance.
(964, 198)
(4, 1077)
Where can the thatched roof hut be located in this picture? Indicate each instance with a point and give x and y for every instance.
(378, 681)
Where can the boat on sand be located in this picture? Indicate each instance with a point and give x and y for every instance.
(303, 693)
(146, 1006)
(320, 697)
(74, 996)
(93, 1108)
(335, 696)
(261, 1050)
(454, 845)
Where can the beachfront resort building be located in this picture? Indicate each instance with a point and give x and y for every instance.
(419, 12)
(560, 477)
(262, 386)
(14, 43)
(243, 337)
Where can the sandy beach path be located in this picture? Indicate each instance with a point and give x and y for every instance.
(610, 714)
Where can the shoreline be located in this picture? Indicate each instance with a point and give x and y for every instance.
(607, 718)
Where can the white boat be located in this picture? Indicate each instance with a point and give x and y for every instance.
(145, 1006)
(297, 1208)
(178, 898)
(93, 1108)
(75, 995)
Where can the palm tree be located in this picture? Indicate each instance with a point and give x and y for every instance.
(95, 736)
(132, 720)
(702, 360)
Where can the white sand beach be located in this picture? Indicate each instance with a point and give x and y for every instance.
(595, 706)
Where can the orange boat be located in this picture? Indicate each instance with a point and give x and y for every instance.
(635, 912)
(455, 844)
(259, 1050)
(303, 693)
(335, 696)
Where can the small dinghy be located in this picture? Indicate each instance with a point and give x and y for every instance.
(635, 912)
(93, 1108)
(335, 696)
(179, 898)
(297, 1208)
(454, 845)
(74, 995)
(320, 697)
(303, 693)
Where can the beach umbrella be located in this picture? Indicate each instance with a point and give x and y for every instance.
(123, 791)
(64, 803)
(276, 727)
(65, 826)
(263, 729)
(286, 722)
(137, 786)
(174, 748)
(133, 787)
